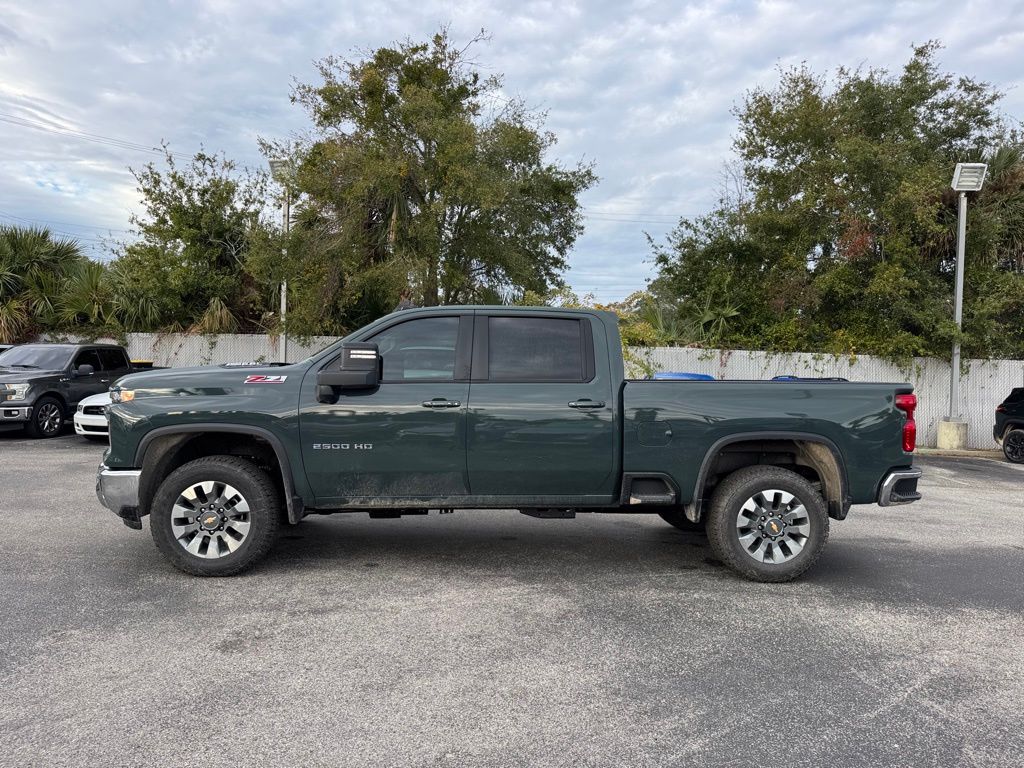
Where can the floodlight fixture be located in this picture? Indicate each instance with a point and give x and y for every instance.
(969, 177)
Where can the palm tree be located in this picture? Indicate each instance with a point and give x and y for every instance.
(34, 266)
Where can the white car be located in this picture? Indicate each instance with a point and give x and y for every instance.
(91, 417)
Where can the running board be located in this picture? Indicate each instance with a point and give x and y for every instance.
(550, 514)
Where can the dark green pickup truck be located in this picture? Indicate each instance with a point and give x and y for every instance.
(496, 407)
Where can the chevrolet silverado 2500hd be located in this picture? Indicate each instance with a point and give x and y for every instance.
(497, 407)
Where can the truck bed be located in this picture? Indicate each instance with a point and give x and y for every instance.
(671, 426)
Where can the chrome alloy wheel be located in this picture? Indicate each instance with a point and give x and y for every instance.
(210, 519)
(49, 418)
(773, 526)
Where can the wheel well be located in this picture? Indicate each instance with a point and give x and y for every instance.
(168, 452)
(56, 396)
(817, 462)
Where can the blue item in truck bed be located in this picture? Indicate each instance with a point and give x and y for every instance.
(808, 378)
(680, 376)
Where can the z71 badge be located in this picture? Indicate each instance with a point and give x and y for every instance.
(265, 379)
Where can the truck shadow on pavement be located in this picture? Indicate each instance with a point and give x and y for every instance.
(889, 572)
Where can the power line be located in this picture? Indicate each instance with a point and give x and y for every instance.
(62, 223)
(96, 138)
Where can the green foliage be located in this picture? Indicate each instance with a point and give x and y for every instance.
(189, 269)
(420, 174)
(47, 284)
(842, 238)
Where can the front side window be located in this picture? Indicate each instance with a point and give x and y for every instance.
(88, 357)
(534, 349)
(419, 350)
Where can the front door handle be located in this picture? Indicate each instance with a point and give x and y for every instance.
(440, 402)
(585, 403)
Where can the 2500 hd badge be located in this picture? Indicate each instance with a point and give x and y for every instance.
(342, 446)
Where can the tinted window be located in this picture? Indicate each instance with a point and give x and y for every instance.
(88, 357)
(534, 349)
(113, 359)
(48, 358)
(419, 349)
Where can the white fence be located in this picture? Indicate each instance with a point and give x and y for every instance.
(982, 387)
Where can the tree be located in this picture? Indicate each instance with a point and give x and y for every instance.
(845, 240)
(47, 284)
(418, 172)
(188, 270)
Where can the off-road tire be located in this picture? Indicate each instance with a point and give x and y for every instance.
(728, 500)
(251, 482)
(39, 423)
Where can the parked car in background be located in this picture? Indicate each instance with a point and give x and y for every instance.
(91, 417)
(1009, 427)
(41, 384)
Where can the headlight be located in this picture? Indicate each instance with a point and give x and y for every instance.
(80, 408)
(122, 395)
(15, 391)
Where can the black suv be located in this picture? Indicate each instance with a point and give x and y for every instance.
(1009, 428)
(40, 384)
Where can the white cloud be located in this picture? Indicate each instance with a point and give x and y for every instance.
(643, 88)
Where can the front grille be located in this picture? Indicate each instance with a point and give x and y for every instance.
(94, 410)
(88, 428)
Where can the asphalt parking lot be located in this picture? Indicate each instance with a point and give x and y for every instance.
(494, 639)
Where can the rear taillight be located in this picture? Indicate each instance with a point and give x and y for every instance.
(907, 404)
(1000, 409)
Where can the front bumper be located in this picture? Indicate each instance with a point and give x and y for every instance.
(118, 491)
(16, 413)
(899, 487)
(91, 425)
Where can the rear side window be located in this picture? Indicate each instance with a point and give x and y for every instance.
(534, 349)
(419, 350)
(1016, 396)
(113, 359)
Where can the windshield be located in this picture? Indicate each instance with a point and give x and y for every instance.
(42, 356)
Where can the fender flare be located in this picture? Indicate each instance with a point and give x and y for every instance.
(294, 503)
(743, 437)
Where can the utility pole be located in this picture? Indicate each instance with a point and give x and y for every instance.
(284, 260)
(958, 310)
(283, 172)
(968, 177)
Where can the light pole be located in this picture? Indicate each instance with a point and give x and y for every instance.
(282, 170)
(968, 177)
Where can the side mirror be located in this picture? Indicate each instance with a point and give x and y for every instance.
(358, 368)
(85, 370)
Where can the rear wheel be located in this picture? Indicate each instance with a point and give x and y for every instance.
(1013, 446)
(215, 516)
(47, 418)
(678, 519)
(767, 523)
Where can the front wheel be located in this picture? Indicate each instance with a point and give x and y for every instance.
(215, 516)
(1013, 446)
(47, 418)
(767, 523)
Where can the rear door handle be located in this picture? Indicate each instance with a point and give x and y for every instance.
(440, 402)
(586, 403)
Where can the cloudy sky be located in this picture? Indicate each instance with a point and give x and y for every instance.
(644, 89)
